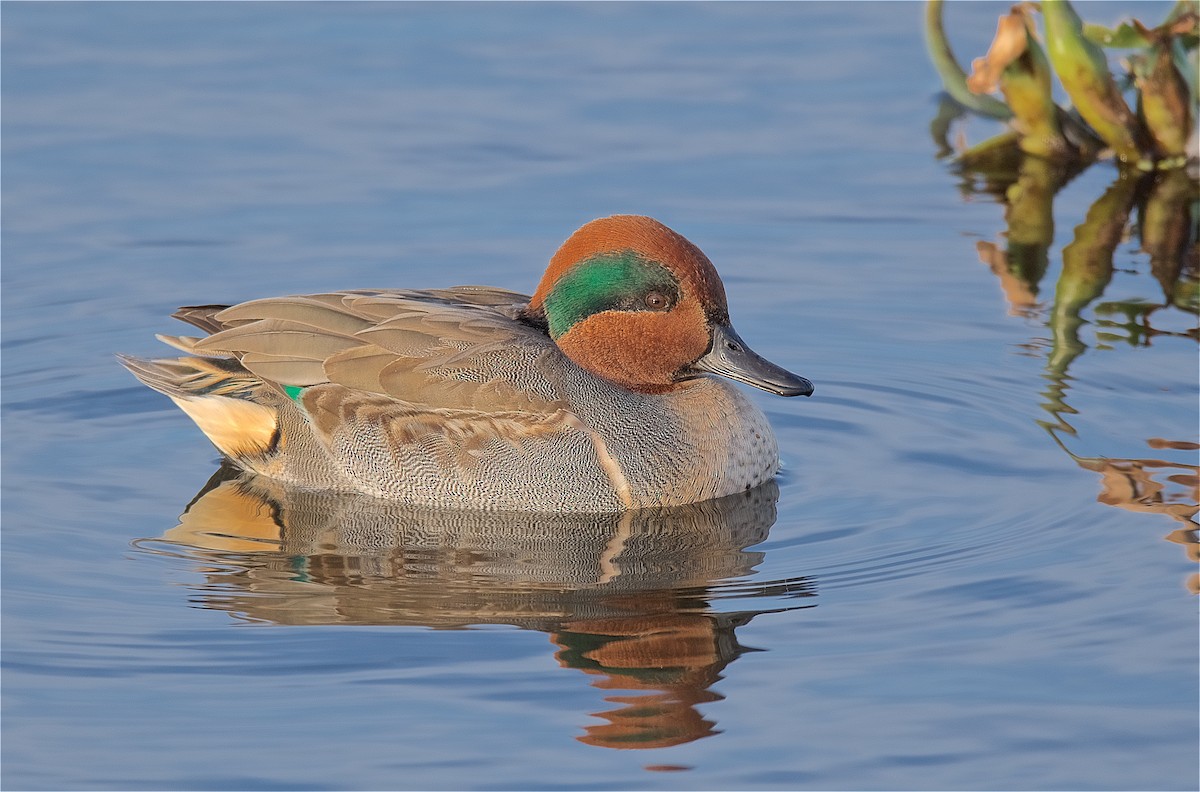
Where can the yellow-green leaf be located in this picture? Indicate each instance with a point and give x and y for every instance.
(1083, 71)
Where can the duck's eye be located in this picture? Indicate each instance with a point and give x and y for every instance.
(656, 301)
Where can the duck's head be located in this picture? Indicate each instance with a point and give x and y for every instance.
(631, 300)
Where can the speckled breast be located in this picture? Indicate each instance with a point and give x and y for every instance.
(703, 440)
(608, 450)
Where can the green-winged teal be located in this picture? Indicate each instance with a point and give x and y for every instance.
(593, 395)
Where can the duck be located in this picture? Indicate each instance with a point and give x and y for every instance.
(610, 388)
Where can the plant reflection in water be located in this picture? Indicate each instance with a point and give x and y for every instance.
(1164, 206)
(626, 598)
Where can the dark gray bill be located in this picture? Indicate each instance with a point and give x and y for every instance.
(730, 357)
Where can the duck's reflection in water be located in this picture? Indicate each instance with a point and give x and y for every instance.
(626, 598)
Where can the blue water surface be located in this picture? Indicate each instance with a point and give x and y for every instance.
(952, 590)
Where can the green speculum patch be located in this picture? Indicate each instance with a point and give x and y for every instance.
(607, 282)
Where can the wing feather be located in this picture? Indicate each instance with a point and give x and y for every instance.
(280, 338)
(321, 314)
(441, 348)
(284, 370)
(359, 368)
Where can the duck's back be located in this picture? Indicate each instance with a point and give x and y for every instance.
(450, 398)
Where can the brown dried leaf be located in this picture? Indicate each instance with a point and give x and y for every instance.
(1009, 44)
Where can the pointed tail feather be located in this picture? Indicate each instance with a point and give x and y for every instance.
(181, 342)
(190, 377)
(202, 316)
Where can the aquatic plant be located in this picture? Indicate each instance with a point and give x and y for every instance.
(1154, 133)
(1153, 202)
